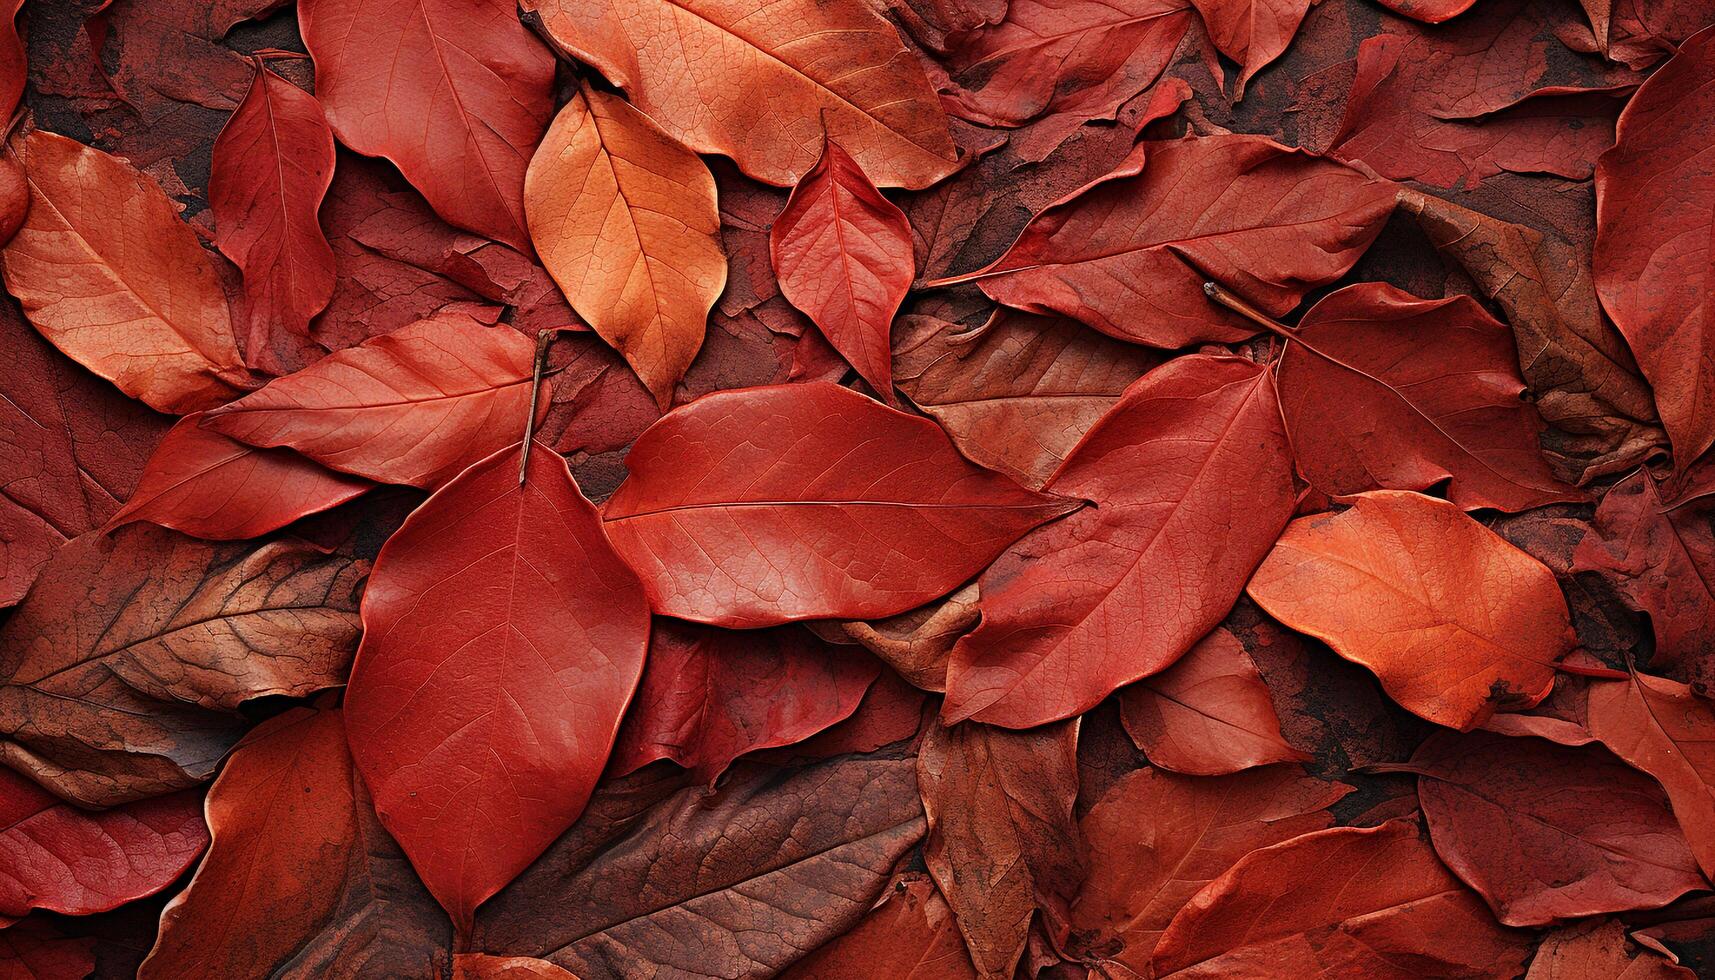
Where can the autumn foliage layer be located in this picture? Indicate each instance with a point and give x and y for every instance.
(836, 489)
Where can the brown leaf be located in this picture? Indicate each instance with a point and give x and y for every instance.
(910, 936)
(125, 660)
(1002, 841)
(918, 643)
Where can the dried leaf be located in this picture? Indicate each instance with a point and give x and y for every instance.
(1597, 951)
(910, 936)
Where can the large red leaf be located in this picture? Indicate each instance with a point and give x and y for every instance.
(1155, 839)
(709, 696)
(127, 662)
(1348, 902)
(810, 501)
(415, 406)
(740, 883)
(1666, 729)
(1017, 393)
(1192, 480)
(455, 92)
(804, 67)
(272, 165)
(300, 881)
(911, 936)
(1455, 621)
(1383, 390)
(107, 272)
(1546, 832)
(71, 446)
(843, 255)
(55, 856)
(209, 486)
(503, 639)
(1661, 558)
(1129, 254)
(1654, 204)
(1002, 839)
(1207, 715)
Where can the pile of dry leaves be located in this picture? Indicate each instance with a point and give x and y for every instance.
(857, 489)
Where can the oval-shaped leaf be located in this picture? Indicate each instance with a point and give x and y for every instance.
(625, 220)
(273, 163)
(503, 639)
(415, 406)
(209, 486)
(809, 501)
(843, 255)
(455, 92)
(799, 61)
(1455, 621)
(1383, 390)
(106, 271)
(1192, 480)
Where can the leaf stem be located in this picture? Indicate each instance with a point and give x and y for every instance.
(1221, 297)
(544, 340)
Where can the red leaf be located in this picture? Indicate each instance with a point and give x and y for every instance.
(1319, 905)
(1454, 621)
(1252, 32)
(54, 856)
(1383, 390)
(1651, 193)
(768, 505)
(911, 936)
(272, 165)
(481, 966)
(208, 486)
(1429, 11)
(1596, 950)
(415, 406)
(494, 608)
(709, 696)
(72, 448)
(33, 950)
(108, 273)
(1155, 839)
(843, 255)
(455, 92)
(1546, 832)
(1129, 253)
(1207, 715)
(1192, 483)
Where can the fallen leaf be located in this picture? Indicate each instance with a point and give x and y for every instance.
(1454, 621)
(1382, 390)
(1650, 194)
(1192, 483)
(34, 950)
(308, 886)
(71, 446)
(1429, 11)
(625, 221)
(454, 92)
(498, 603)
(1130, 252)
(1581, 376)
(481, 966)
(1207, 715)
(768, 505)
(1002, 840)
(54, 856)
(738, 884)
(1313, 906)
(109, 274)
(209, 486)
(918, 643)
(1597, 951)
(843, 255)
(273, 163)
(1252, 32)
(126, 660)
(1017, 393)
(910, 936)
(810, 68)
(709, 696)
(1155, 839)
(1548, 833)
(415, 406)
(1663, 728)
(1079, 57)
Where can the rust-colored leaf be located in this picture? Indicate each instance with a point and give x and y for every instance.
(910, 936)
